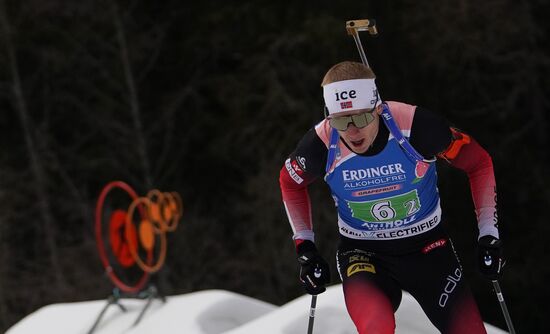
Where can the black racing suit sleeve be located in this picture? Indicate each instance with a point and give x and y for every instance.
(311, 152)
(430, 133)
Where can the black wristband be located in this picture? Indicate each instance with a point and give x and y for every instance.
(306, 246)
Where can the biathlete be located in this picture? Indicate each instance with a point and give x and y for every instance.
(378, 158)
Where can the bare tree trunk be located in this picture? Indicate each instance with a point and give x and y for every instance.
(3, 261)
(132, 98)
(37, 169)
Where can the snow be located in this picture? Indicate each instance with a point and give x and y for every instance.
(213, 312)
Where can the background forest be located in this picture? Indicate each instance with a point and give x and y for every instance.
(207, 98)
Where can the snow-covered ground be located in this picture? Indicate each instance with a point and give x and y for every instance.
(213, 312)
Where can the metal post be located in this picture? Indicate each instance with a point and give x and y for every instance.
(150, 294)
(112, 299)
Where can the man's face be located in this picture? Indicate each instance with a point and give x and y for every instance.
(360, 139)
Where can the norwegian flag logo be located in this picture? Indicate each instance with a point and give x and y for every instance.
(296, 167)
(346, 105)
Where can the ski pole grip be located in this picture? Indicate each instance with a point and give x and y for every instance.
(353, 26)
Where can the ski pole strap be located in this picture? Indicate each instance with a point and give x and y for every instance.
(396, 133)
(332, 148)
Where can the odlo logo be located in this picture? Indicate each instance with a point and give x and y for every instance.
(450, 286)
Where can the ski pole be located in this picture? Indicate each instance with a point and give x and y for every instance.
(500, 298)
(353, 27)
(311, 314)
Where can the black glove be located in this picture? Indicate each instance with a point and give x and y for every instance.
(490, 257)
(314, 270)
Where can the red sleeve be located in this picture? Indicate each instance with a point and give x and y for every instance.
(296, 201)
(303, 166)
(466, 154)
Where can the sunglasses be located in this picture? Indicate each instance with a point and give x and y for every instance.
(359, 120)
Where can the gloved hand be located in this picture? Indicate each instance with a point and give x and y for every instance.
(490, 257)
(314, 270)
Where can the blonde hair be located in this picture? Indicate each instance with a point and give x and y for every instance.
(347, 70)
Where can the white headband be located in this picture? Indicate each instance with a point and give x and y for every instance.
(347, 95)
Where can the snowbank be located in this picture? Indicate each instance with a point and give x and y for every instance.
(215, 312)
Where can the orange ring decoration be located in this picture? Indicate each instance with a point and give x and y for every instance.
(159, 213)
(176, 208)
(109, 270)
(165, 210)
(145, 236)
